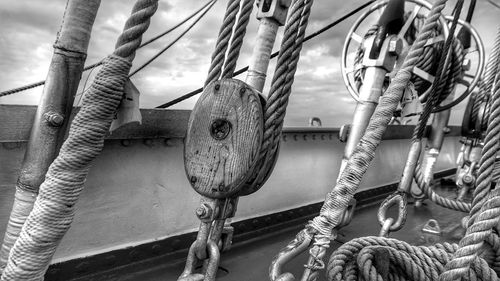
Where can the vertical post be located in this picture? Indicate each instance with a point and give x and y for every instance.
(272, 15)
(370, 91)
(52, 116)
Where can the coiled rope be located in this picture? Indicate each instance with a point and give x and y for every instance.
(54, 208)
(384, 259)
(336, 202)
(476, 257)
(485, 211)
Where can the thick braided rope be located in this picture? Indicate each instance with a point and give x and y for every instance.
(237, 38)
(435, 197)
(378, 258)
(283, 76)
(473, 241)
(54, 208)
(488, 155)
(219, 54)
(282, 100)
(337, 200)
(488, 77)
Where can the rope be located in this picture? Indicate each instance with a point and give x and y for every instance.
(153, 58)
(54, 207)
(379, 258)
(337, 200)
(99, 63)
(273, 55)
(237, 39)
(485, 210)
(436, 198)
(283, 78)
(223, 39)
(488, 78)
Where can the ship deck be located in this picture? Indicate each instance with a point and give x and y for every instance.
(250, 260)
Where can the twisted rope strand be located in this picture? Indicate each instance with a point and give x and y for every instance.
(237, 39)
(223, 39)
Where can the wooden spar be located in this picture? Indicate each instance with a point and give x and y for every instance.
(272, 16)
(54, 109)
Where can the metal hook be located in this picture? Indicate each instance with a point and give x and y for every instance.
(299, 245)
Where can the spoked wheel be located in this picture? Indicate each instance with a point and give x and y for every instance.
(472, 67)
(354, 40)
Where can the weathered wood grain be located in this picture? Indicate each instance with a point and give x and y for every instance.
(224, 138)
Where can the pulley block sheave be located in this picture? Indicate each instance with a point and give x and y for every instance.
(224, 138)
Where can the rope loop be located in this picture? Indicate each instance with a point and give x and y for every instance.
(397, 198)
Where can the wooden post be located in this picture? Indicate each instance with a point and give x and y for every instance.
(54, 109)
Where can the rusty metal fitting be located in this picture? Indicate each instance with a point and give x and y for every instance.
(54, 119)
(274, 9)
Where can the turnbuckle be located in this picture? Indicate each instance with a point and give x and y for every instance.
(388, 224)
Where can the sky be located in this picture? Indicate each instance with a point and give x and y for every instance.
(28, 30)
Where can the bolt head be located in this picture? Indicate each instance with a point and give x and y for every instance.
(395, 46)
(466, 64)
(54, 119)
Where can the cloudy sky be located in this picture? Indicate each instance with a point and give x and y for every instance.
(28, 29)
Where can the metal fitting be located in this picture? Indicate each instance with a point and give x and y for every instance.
(395, 46)
(54, 119)
(466, 65)
(204, 211)
(274, 9)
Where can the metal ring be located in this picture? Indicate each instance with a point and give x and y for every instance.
(399, 198)
(386, 226)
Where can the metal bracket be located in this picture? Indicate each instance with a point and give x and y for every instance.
(275, 9)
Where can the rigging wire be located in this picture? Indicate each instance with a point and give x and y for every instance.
(494, 4)
(273, 55)
(40, 83)
(173, 42)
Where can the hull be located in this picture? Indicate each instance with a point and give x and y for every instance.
(137, 192)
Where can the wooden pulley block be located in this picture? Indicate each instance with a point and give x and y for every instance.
(224, 138)
(261, 174)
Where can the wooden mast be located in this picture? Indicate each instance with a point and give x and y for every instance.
(54, 109)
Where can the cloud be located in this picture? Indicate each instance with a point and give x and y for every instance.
(318, 89)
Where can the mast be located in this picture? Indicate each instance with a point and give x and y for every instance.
(52, 116)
